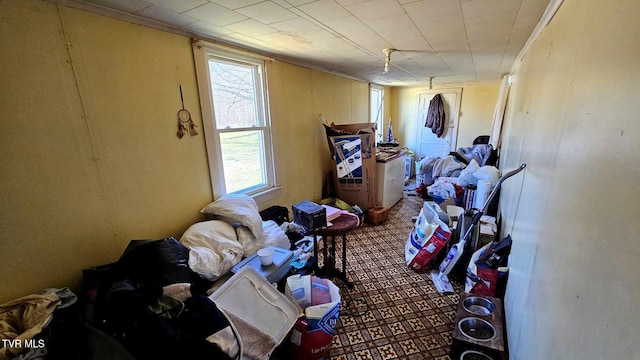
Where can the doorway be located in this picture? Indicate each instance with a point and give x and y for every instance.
(428, 143)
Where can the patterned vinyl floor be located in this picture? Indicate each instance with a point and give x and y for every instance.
(393, 312)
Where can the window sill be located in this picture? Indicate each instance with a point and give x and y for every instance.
(266, 195)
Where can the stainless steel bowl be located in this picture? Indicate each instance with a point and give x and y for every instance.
(478, 305)
(474, 355)
(477, 329)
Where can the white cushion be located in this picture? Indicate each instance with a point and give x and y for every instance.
(237, 208)
(214, 248)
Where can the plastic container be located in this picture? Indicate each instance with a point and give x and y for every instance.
(250, 297)
(274, 272)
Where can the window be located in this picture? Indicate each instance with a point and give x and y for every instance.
(376, 113)
(235, 112)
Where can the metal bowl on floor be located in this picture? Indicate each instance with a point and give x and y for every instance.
(474, 355)
(478, 305)
(477, 329)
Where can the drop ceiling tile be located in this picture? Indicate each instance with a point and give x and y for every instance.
(507, 62)
(128, 6)
(441, 23)
(310, 32)
(178, 6)
(251, 28)
(207, 29)
(375, 46)
(297, 25)
(247, 41)
(284, 3)
(501, 21)
(397, 30)
(458, 61)
(234, 4)
(354, 29)
(427, 9)
(533, 7)
(324, 10)
(444, 43)
(493, 39)
(486, 61)
(442, 37)
(350, 2)
(517, 39)
(375, 9)
(351, 52)
(267, 12)
(286, 40)
(526, 22)
(166, 16)
(487, 7)
(298, 2)
(215, 14)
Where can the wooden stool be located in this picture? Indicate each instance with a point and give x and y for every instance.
(342, 225)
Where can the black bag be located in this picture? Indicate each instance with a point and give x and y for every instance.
(155, 262)
(279, 214)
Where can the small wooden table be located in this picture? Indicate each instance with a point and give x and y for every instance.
(341, 226)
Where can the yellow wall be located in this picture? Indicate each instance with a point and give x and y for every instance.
(572, 117)
(89, 152)
(476, 112)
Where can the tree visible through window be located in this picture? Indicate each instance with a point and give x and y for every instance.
(239, 123)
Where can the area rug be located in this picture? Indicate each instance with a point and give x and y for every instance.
(393, 312)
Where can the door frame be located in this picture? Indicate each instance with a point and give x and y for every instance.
(420, 123)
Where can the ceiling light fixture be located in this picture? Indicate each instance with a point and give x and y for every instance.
(387, 61)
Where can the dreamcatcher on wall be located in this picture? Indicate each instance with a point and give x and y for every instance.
(185, 122)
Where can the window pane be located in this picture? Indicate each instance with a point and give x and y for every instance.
(234, 95)
(377, 111)
(242, 160)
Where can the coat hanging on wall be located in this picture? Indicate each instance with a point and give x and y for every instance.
(436, 118)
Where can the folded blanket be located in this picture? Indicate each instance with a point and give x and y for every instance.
(256, 345)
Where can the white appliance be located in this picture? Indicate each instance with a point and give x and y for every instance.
(390, 181)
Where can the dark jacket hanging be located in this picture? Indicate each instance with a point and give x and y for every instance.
(435, 116)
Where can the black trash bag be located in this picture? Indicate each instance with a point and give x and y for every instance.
(155, 263)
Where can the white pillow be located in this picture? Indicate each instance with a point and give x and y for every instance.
(273, 236)
(237, 208)
(214, 248)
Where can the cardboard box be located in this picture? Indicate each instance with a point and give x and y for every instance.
(320, 301)
(355, 169)
(377, 215)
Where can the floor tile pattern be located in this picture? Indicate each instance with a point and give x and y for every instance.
(393, 312)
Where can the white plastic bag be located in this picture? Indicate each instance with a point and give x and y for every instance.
(428, 237)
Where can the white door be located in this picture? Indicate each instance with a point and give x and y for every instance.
(428, 143)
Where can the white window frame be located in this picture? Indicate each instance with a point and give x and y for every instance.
(204, 51)
(377, 116)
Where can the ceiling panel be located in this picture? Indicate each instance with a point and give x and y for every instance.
(229, 4)
(375, 9)
(324, 10)
(178, 6)
(215, 14)
(426, 10)
(204, 28)
(452, 40)
(251, 28)
(167, 16)
(128, 6)
(267, 12)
